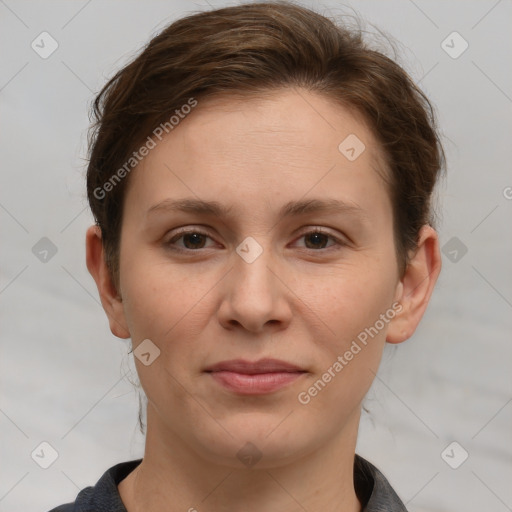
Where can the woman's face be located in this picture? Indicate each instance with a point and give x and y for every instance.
(256, 282)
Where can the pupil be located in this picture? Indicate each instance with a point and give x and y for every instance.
(196, 237)
(316, 236)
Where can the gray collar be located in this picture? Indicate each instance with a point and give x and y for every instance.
(373, 490)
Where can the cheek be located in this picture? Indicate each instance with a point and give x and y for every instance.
(164, 301)
(350, 351)
(351, 298)
(155, 305)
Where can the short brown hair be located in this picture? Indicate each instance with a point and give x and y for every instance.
(254, 48)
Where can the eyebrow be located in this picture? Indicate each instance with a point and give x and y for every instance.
(292, 208)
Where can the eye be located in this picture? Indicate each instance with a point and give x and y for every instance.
(194, 239)
(317, 238)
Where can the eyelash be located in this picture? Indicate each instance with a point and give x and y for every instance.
(169, 244)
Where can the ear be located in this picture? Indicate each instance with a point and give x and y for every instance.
(416, 286)
(110, 299)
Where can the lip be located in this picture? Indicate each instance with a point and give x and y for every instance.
(251, 368)
(254, 378)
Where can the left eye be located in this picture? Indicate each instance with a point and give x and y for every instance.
(194, 239)
(318, 237)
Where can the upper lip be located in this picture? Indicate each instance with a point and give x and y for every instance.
(262, 366)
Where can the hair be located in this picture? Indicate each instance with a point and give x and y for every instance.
(258, 48)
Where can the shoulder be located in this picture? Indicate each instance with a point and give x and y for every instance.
(104, 495)
(68, 507)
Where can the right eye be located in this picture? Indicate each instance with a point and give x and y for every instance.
(192, 239)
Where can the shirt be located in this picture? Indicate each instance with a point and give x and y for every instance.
(372, 489)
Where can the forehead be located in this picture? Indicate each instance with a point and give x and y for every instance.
(272, 147)
(287, 122)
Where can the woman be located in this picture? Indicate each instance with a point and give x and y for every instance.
(261, 183)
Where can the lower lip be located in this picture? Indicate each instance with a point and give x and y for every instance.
(256, 384)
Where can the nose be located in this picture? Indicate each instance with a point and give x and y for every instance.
(255, 295)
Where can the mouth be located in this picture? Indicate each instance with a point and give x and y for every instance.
(254, 378)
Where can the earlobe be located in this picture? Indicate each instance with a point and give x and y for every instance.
(416, 286)
(109, 296)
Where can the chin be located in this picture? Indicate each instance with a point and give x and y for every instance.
(259, 441)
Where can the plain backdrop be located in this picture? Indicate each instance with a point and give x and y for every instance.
(62, 371)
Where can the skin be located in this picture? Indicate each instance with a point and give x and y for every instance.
(303, 300)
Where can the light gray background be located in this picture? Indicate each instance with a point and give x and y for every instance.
(62, 370)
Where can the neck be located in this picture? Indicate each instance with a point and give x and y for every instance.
(173, 477)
